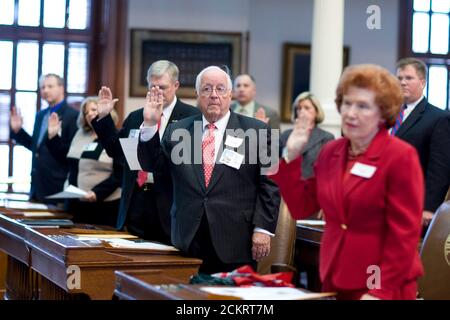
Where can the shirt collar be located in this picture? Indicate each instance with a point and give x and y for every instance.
(411, 106)
(248, 106)
(56, 107)
(220, 124)
(167, 112)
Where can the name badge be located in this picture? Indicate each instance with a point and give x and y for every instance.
(90, 146)
(233, 142)
(363, 170)
(134, 133)
(231, 158)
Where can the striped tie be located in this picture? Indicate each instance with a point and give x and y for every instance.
(399, 120)
(208, 147)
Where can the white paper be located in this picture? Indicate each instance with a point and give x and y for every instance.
(129, 147)
(122, 243)
(20, 205)
(71, 192)
(261, 293)
(134, 133)
(90, 146)
(231, 158)
(233, 142)
(363, 170)
(311, 222)
(39, 214)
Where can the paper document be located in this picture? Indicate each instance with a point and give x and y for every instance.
(39, 214)
(71, 192)
(264, 293)
(311, 222)
(129, 147)
(122, 243)
(113, 236)
(20, 205)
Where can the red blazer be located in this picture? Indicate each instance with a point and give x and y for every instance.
(369, 221)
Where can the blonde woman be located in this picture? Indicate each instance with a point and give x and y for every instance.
(309, 103)
(90, 169)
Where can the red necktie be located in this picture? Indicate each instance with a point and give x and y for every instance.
(142, 175)
(208, 146)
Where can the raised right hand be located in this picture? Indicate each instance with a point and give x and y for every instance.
(153, 106)
(15, 120)
(54, 125)
(105, 102)
(300, 135)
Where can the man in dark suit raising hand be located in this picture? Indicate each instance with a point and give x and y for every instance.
(225, 209)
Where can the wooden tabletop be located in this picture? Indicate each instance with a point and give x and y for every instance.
(72, 266)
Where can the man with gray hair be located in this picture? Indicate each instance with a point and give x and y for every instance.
(49, 169)
(224, 209)
(146, 199)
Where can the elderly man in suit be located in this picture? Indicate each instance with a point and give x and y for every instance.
(245, 92)
(146, 200)
(224, 211)
(49, 169)
(427, 128)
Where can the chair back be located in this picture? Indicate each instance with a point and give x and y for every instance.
(282, 245)
(435, 254)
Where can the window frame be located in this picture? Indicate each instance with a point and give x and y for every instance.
(102, 35)
(406, 13)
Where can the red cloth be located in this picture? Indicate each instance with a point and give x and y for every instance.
(246, 276)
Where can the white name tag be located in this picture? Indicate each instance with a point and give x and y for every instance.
(231, 158)
(134, 133)
(90, 146)
(363, 170)
(233, 142)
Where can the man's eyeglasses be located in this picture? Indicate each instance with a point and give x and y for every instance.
(206, 91)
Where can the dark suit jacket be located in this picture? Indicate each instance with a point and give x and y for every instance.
(315, 143)
(49, 167)
(235, 202)
(109, 137)
(369, 221)
(274, 117)
(427, 128)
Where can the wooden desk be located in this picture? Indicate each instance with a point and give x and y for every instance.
(154, 285)
(307, 247)
(62, 262)
(21, 282)
(3, 258)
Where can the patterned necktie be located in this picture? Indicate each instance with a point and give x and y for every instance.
(208, 146)
(399, 120)
(143, 175)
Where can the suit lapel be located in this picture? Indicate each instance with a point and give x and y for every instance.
(335, 186)
(412, 118)
(196, 142)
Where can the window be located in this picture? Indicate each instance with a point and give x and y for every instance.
(39, 37)
(426, 31)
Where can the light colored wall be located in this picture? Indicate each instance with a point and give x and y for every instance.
(270, 23)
